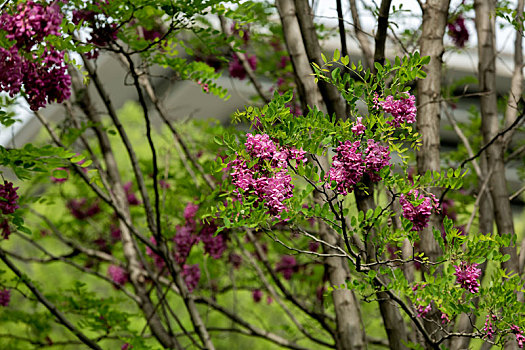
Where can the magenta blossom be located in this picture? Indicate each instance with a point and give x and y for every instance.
(8, 198)
(458, 31)
(214, 245)
(236, 68)
(191, 275)
(418, 214)
(402, 110)
(5, 297)
(467, 276)
(257, 295)
(520, 338)
(117, 274)
(184, 240)
(267, 177)
(358, 128)
(287, 266)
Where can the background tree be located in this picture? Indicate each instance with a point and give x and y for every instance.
(135, 230)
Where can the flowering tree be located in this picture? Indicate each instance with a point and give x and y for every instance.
(311, 230)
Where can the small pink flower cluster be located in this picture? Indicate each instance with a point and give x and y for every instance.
(191, 275)
(82, 209)
(236, 68)
(159, 262)
(102, 32)
(272, 186)
(402, 110)
(358, 128)
(130, 195)
(8, 198)
(5, 297)
(44, 80)
(351, 163)
(458, 31)
(423, 310)
(419, 214)
(257, 295)
(467, 276)
(214, 245)
(287, 266)
(185, 239)
(520, 338)
(488, 328)
(117, 274)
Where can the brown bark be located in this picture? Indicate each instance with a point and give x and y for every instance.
(128, 245)
(349, 334)
(485, 27)
(485, 15)
(361, 36)
(332, 98)
(428, 117)
(435, 14)
(392, 319)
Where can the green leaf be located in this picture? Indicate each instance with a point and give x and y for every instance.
(337, 55)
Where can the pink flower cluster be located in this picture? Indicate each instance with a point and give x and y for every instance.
(402, 110)
(520, 338)
(102, 32)
(5, 297)
(236, 68)
(6, 230)
(287, 266)
(130, 195)
(8, 198)
(117, 274)
(488, 328)
(458, 31)
(214, 245)
(185, 239)
(45, 80)
(159, 262)
(191, 275)
(418, 214)
(352, 162)
(257, 295)
(358, 128)
(467, 276)
(272, 186)
(423, 310)
(81, 209)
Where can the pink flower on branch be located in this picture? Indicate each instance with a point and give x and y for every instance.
(467, 276)
(402, 110)
(418, 214)
(267, 177)
(5, 297)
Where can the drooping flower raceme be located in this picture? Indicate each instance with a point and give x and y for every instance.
(117, 274)
(488, 328)
(44, 80)
(520, 338)
(418, 214)
(352, 161)
(402, 110)
(268, 177)
(458, 31)
(191, 275)
(287, 266)
(5, 297)
(467, 276)
(8, 198)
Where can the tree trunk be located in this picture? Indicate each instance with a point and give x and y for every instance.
(349, 333)
(485, 27)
